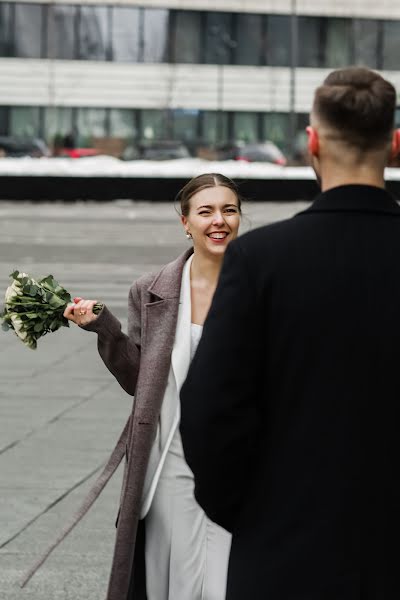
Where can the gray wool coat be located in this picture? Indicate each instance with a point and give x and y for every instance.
(140, 361)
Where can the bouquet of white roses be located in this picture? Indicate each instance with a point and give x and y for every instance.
(33, 308)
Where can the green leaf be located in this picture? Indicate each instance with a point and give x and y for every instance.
(49, 282)
(54, 325)
(55, 302)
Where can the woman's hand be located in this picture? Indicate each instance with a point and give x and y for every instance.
(81, 312)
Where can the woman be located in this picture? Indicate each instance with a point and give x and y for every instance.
(179, 554)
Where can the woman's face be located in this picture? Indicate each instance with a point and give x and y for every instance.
(213, 219)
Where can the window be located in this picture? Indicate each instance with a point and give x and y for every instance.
(324, 42)
(61, 32)
(215, 127)
(185, 125)
(155, 35)
(154, 125)
(186, 37)
(337, 42)
(91, 123)
(278, 40)
(366, 42)
(6, 29)
(25, 121)
(245, 127)
(123, 123)
(249, 39)
(125, 34)
(28, 27)
(58, 122)
(391, 36)
(309, 42)
(275, 127)
(219, 40)
(4, 118)
(93, 33)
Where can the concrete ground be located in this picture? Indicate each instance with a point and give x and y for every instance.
(61, 411)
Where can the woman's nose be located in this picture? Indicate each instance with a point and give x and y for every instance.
(218, 219)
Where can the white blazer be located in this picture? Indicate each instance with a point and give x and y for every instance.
(170, 408)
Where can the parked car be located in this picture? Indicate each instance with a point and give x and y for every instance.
(77, 152)
(156, 150)
(17, 147)
(256, 152)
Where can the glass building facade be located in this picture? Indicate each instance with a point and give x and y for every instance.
(152, 35)
(123, 34)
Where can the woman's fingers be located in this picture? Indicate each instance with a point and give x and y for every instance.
(85, 312)
(69, 312)
(81, 312)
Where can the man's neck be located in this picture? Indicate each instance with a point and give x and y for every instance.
(362, 175)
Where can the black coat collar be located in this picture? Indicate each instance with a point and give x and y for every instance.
(355, 198)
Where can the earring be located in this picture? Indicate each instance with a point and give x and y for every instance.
(188, 235)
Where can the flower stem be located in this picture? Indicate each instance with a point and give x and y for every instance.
(97, 308)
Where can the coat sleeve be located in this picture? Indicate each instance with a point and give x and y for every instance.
(219, 399)
(120, 352)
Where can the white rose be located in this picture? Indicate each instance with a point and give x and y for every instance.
(13, 291)
(17, 326)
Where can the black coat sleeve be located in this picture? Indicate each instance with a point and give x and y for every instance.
(220, 422)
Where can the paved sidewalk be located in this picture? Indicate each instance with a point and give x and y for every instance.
(61, 410)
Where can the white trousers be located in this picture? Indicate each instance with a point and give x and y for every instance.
(186, 554)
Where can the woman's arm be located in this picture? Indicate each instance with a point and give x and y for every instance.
(119, 352)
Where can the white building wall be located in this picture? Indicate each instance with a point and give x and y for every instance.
(385, 9)
(121, 85)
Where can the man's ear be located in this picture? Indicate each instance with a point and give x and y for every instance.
(313, 141)
(395, 151)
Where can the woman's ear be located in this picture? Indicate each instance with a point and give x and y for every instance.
(184, 222)
(313, 141)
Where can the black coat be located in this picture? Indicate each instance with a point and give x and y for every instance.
(290, 412)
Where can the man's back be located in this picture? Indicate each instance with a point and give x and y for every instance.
(315, 514)
(329, 282)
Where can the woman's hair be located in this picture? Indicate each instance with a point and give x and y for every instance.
(202, 182)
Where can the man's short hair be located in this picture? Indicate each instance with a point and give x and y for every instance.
(359, 104)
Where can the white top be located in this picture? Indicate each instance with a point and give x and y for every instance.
(195, 335)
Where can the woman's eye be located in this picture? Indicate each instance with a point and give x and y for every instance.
(204, 212)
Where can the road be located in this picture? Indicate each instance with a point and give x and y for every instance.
(61, 410)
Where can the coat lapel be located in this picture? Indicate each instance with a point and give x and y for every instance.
(158, 335)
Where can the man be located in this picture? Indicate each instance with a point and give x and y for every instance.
(290, 418)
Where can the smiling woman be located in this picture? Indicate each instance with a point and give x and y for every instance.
(166, 547)
(210, 214)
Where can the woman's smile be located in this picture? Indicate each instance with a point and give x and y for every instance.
(218, 237)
